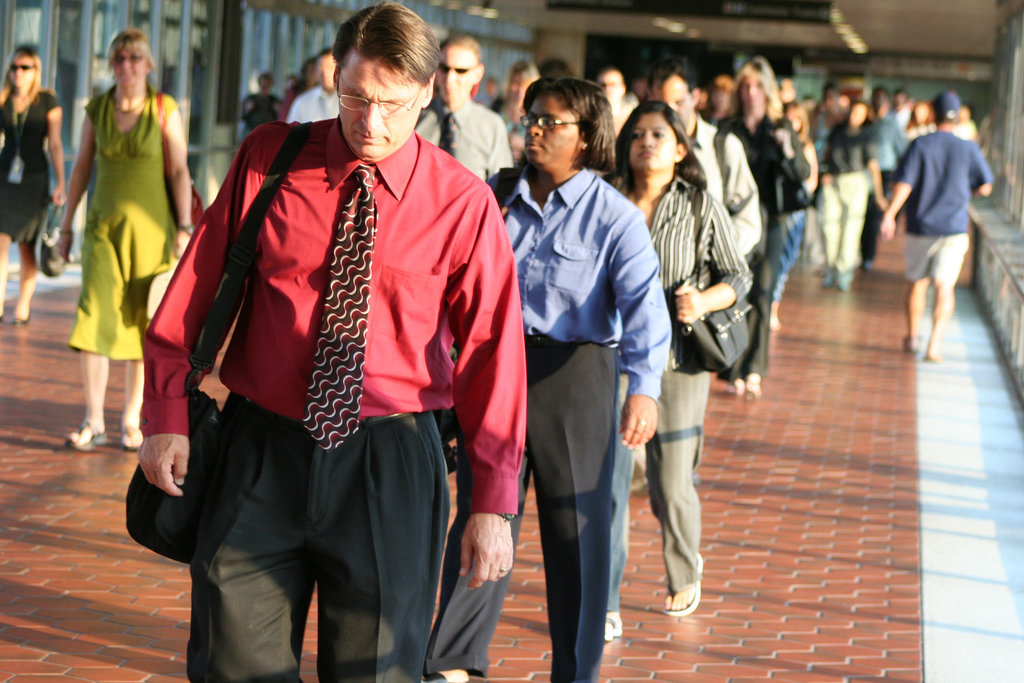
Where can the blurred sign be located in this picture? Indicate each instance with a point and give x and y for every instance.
(774, 10)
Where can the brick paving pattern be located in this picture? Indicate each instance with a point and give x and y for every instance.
(810, 523)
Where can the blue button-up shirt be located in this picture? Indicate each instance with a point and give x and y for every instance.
(588, 273)
(890, 140)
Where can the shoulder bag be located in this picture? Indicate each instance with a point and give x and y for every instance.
(718, 339)
(197, 206)
(167, 524)
(50, 261)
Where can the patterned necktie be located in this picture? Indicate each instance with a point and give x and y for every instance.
(336, 387)
(448, 133)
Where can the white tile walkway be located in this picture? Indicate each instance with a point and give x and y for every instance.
(971, 456)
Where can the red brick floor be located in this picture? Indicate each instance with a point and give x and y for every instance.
(810, 523)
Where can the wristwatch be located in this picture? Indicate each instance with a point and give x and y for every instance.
(507, 516)
(187, 229)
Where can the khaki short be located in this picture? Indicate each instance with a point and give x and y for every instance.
(937, 257)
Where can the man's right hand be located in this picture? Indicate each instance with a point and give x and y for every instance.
(164, 461)
(887, 228)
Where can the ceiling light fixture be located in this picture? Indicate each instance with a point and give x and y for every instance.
(846, 32)
(669, 25)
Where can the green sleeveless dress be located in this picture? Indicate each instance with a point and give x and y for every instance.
(129, 231)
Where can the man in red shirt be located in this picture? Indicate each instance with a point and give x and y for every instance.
(363, 522)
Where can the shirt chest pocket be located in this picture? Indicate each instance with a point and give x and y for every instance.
(573, 266)
(406, 306)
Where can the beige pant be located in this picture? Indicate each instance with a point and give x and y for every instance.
(846, 202)
(939, 257)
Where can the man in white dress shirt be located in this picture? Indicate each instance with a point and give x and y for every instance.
(320, 102)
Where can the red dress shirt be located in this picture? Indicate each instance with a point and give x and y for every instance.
(443, 270)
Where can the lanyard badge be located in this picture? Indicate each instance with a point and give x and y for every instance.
(17, 171)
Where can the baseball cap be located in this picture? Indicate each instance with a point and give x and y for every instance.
(946, 105)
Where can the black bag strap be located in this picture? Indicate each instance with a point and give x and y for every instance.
(505, 185)
(240, 259)
(701, 239)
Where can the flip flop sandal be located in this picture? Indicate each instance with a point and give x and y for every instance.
(131, 439)
(691, 606)
(95, 438)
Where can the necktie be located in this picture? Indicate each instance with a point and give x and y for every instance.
(336, 387)
(448, 133)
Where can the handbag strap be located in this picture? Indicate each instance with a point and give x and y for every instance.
(240, 259)
(699, 203)
(701, 239)
(163, 132)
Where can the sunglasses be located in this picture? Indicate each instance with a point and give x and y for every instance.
(22, 67)
(444, 68)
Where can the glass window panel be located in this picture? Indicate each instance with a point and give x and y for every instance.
(141, 17)
(28, 23)
(69, 42)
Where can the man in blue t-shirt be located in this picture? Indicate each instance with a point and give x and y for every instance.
(936, 179)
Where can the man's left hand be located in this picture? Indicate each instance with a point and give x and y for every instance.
(486, 548)
(639, 420)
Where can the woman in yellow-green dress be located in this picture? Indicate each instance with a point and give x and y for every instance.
(130, 232)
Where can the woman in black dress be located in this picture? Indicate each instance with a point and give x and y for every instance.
(31, 120)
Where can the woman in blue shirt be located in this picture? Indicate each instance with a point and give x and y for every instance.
(588, 278)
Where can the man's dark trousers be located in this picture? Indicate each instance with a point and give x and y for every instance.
(364, 524)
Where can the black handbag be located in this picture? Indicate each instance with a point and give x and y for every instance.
(50, 261)
(717, 339)
(166, 524)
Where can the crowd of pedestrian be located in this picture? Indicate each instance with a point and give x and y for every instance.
(543, 313)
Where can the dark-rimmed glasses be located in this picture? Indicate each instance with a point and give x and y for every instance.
(545, 122)
(361, 104)
(22, 67)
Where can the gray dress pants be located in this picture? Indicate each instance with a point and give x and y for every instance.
(672, 457)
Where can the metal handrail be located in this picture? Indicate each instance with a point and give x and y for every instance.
(999, 282)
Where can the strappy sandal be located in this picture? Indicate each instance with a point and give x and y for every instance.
(753, 387)
(690, 607)
(78, 442)
(131, 438)
(736, 388)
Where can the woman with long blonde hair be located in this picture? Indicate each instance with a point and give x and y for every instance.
(780, 168)
(801, 122)
(30, 118)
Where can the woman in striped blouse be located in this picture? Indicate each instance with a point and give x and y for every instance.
(657, 172)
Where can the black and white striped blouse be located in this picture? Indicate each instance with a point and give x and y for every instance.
(673, 232)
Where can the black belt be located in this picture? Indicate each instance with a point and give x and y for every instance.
(540, 340)
(297, 424)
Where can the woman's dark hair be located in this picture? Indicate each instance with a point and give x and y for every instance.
(689, 169)
(589, 104)
(858, 102)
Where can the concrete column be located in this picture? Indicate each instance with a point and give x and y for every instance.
(568, 45)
